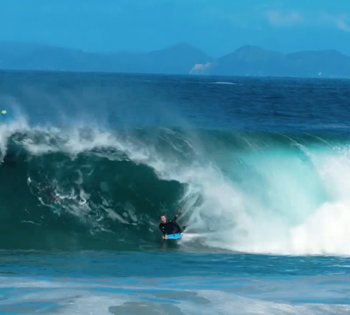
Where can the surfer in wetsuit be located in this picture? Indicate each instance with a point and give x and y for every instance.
(169, 226)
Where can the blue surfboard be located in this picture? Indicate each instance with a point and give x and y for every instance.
(176, 236)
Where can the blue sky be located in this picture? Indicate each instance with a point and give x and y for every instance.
(216, 26)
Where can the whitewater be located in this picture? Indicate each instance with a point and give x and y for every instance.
(258, 167)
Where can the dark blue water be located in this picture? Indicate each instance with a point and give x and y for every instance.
(119, 101)
(258, 166)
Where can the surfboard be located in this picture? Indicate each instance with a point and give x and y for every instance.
(176, 236)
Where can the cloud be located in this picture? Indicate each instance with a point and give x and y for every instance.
(200, 68)
(343, 26)
(336, 20)
(277, 18)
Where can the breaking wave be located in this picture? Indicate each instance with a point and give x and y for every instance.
(91, 188)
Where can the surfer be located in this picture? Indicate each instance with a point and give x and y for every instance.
(169, 226)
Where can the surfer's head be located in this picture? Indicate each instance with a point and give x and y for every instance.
(162, 218)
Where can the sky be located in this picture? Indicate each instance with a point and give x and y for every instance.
(218, 27)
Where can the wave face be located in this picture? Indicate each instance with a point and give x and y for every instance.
(89, 188)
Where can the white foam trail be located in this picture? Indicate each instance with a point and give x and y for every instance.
(225, 83)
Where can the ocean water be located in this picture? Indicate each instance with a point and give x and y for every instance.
(258, 167)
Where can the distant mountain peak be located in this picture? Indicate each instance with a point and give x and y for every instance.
(180, 58)
(254, 52)
(250, 48)
(181, 47)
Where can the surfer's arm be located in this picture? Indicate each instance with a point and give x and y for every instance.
(176, 216)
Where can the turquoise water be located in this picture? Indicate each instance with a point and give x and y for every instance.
(259, 168)
(171, 283)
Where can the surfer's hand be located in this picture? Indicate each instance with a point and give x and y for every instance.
(165, 237)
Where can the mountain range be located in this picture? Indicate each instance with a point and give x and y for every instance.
(181, 58)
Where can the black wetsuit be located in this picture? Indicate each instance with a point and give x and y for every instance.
(170, 227)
